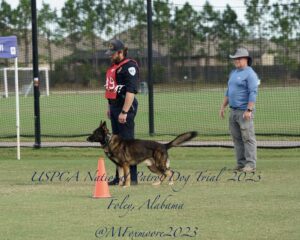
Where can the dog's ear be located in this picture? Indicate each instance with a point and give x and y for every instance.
(100, 123)
(104, 125)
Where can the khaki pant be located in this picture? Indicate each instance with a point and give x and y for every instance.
(243, 136)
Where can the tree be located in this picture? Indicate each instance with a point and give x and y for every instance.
(296, 14)
(6, 23)
(70, 22)
(210, 20)
(256, 15)
(117, 13)
(284, 29)
(46, 19)
(162, 29)
(21, 18)
(230, 32)
(93, 22)
(138, 16)
(283, 24)
(186, 30)
(161, 22)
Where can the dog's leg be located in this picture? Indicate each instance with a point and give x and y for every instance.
(154, 169)
(162, 165)
(169, 173)
(127, 175)
(121, 176)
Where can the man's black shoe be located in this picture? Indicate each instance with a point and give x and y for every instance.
(133, 183)
(115, 181)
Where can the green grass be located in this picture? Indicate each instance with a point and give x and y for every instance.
(266, 209)
(278, 113)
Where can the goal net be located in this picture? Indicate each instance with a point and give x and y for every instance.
(7, 87)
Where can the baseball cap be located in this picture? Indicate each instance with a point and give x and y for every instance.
(114, 46)
(242, 52)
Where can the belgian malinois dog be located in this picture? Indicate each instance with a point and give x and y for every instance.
(132, 152)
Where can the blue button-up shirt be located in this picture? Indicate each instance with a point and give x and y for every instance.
(242, 88)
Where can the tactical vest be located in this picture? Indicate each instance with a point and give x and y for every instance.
(111, 86)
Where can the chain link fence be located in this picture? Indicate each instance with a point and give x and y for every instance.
(191, 45)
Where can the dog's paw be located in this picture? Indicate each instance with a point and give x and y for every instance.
(157, 183)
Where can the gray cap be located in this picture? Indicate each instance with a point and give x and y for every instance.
(114, 46)
(242, 52)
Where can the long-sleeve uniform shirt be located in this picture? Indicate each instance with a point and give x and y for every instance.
(242, 88)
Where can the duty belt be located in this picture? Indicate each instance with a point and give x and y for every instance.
(115, 101)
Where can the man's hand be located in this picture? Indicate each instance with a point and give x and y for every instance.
(223, 106)
(222, 112)
(247, 115)
(108, 113)
(122, 118)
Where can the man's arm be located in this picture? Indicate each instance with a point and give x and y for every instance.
(132, 75)
(252, 86)
(223, 106)
(127, 104)
(250, 105)
(128, 101)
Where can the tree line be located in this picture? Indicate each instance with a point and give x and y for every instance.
(176, 29)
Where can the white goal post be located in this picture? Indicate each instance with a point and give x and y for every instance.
(5, 79)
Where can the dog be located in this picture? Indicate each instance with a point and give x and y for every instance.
(132, 152)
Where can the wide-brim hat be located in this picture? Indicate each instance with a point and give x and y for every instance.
(114, 46)
(240, 53)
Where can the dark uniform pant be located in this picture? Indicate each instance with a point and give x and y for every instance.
(124, 130)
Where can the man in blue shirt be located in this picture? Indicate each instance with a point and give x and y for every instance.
(241, 97)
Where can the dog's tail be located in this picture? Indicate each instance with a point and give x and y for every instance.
(181, 139)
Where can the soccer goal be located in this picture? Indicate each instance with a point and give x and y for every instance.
(25, 81)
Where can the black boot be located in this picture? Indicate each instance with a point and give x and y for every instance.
(133, 175)
(116, 180)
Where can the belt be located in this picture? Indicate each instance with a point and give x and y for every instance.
(115, 102)
(235, 108)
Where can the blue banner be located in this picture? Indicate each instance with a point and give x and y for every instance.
(8, 47)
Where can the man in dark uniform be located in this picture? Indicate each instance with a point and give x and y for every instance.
(121, 86)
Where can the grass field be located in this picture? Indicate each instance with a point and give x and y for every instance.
(278, 112)
(261, 206)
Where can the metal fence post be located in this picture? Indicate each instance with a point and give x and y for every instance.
(36, 82)
(150, 67)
